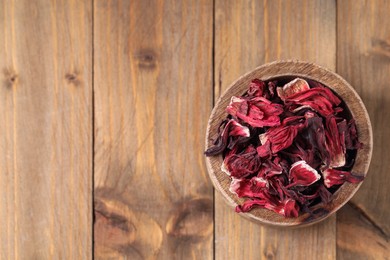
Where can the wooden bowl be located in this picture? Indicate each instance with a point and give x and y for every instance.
(306, 70)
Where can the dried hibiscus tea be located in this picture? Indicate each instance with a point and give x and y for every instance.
(287, 145)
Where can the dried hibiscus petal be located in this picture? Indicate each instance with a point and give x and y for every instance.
(242, 164)
(301, 174)
(228, 128)
(257, 111)
(249, 187)
(256, 88)
(295, 86)
(288, 208)
(336, 177)
(279, 138)
(335, 143)
(320, 99)
(270, 168)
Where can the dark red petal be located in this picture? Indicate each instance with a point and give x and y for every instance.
(336, 177)
(353, 135)
(325, 195)
(249, 204)
(242, 164)
(301, 174)
(293, 87)
(350, 134)
(271, 88)
(230, 128)
(314, 135)
(270, 168)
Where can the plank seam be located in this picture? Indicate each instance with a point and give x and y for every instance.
(213, 103)
(93, 129)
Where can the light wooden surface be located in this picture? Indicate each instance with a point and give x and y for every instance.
(363, 45)
(119, 93)
(46, 130)
(153, 96)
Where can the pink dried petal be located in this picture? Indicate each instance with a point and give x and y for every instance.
(256, 88)
(291, 208)
(236, 129)
(293, 87)
(320, 99)
(301, 174)
(335, 143)
(314, 93)
(336, 177)
(281, 137)
(244, 163)
(257, 111)
(248, 187)
(264, 150)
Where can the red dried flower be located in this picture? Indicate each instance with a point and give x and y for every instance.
(228, 128)
(257, 111)
(336, 177)
(335, 143)
(280, 137)
(301, 174)
(278, 140)
(242, 164)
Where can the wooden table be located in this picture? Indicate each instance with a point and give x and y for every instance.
(104, 106)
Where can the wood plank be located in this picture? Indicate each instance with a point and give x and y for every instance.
(46, 133)
(248, 34)
(364, 60)
(355, 229)
(153, 85)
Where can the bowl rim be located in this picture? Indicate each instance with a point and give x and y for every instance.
(294, 68)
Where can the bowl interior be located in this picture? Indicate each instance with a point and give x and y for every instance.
(286, 69)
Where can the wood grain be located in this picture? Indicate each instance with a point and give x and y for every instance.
(153, 96)
(46, 131)
(363, 42)
(358, 237)
(247, 35)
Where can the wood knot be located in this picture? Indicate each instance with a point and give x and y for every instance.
(73, 78)
(146, 59)
(10, 77)
(270, 253)
(122, 232)
(192, 220)
(380, 48)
